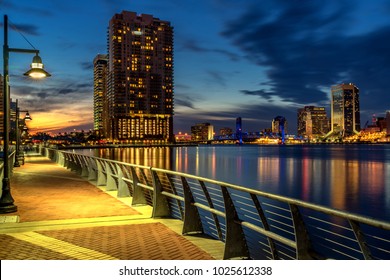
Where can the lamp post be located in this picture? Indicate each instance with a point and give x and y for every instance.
(17, 131)
(36, 71)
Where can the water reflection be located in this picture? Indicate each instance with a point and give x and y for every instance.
(156, 157)
(352, 178)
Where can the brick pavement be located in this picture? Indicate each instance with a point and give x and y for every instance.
(63, 216)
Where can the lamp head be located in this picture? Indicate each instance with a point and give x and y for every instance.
(28, 117)
(37, 71)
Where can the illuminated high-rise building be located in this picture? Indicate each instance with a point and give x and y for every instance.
(279, 123)
(202, 132)
(345, 110)
(100, 123)
(140, 78)
(313, 122)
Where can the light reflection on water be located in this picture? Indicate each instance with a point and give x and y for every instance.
(355, 178)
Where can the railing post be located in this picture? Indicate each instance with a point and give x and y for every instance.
(138, 193)
(235, 242)
(66, 161)
(101, 178)
(61, 159)
(69, 162)
(92, 175)
(84, 167)
(192, 222)
(111, 183)
(264, 221)
(123, 189)
(75, 166)
(211, 205)
(160, 202)
(304, 247)
(360, 239)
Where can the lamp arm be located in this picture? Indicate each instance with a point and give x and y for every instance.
(16, 50)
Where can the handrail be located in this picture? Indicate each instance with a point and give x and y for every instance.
(252, 224)
(326, 210)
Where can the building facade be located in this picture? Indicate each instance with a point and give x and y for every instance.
(313, 122)
(140, 78)
(100, 108)
(345, 110)
(279, 125)
(202, 132)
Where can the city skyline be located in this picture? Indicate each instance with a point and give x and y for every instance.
(231, 59)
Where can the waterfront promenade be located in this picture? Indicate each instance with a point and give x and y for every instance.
(63, 216)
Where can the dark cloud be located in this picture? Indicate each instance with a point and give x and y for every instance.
(218, 78)
(261, 93)
(28, 29)
(192, 45)
(9, 5)
(74, 88)
(86, 65)
(309, 47)
(66, 91)
(42, 95)
(184, 101)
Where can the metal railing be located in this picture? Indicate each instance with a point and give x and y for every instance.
(252, 224)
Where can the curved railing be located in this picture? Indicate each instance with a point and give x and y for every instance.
(252, 224)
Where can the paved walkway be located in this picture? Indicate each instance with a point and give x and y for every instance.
(63, 216)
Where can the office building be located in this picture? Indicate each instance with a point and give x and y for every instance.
(140, 78)
(225, 131)
(202, 132)
(345, 111)
(100, 105)
(388, 123)
(313, 122)
(279, 125)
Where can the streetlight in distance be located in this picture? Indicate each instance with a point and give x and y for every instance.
(6, 201)
(18, 133)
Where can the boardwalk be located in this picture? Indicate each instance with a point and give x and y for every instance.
(63, 216)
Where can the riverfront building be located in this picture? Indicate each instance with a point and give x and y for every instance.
(345, 111)
(140, 78)
(312, 122)
(100, 123)
(279, 125)
(202, 132)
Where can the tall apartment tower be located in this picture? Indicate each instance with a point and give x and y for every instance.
(140, 78)
(100, 109)
(345, 110)
(313, 122)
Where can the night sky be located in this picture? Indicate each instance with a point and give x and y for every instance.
(254, 59)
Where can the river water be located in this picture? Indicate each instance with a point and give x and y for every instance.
(354, 178)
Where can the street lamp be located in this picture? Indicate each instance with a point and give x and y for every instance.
(17, 131)
(36, 71)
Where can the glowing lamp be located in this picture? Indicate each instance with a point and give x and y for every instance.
(37, 71)
(28, 117)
